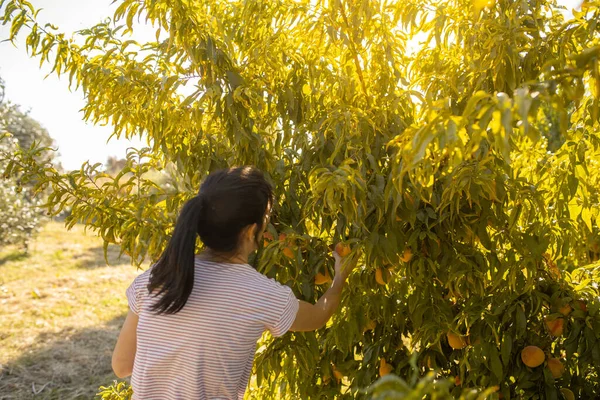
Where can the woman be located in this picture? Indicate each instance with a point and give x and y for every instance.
(194, 320)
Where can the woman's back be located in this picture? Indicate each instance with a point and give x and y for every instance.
(206, 350)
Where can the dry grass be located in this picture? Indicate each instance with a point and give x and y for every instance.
(61, 308)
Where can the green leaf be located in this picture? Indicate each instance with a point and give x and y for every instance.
(521, 322)
(495, 364)
(506, 348)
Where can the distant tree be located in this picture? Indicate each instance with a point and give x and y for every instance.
(26, 129)
(114, 165)
(20, 214)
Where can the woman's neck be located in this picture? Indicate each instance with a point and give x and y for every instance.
(210, 255)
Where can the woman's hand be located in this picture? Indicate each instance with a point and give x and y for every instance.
(343, 266)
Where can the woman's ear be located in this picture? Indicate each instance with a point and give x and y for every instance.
(251, 231)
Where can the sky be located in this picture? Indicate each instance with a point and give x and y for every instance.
(48, 99)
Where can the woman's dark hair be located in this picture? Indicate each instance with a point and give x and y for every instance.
(229, 200)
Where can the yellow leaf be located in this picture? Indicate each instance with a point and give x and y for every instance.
(574, 210)
(496, 123)
(306, 89)
(479, 5)
(586, 215)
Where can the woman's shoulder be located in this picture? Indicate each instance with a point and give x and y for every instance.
(143, 277)
(244, 273)
(268, 284)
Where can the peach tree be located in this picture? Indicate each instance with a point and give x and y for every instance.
(453, 144)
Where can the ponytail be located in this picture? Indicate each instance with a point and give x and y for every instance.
(173, 274)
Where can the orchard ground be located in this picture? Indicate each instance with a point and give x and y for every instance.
(61, 308)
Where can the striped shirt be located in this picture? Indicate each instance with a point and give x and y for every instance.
(206, 350)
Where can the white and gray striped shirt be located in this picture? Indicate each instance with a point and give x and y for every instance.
(206, 350)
